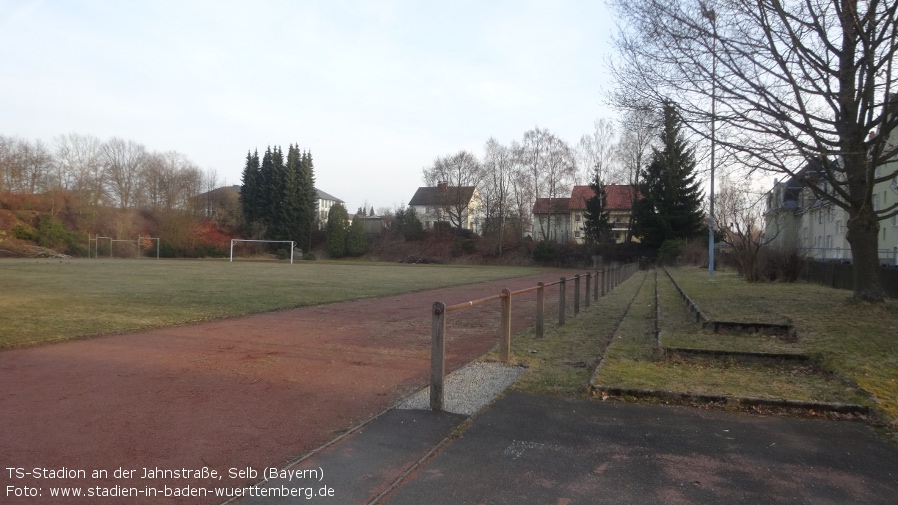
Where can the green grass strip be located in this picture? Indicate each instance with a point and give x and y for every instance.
(562, 362)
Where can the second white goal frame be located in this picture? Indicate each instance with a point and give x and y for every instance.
(291, 242)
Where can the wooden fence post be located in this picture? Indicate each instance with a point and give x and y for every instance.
(586, 292)
(595, 289)
(561, 297)
(576, 294)
(540, 309)
(505, 338)
(437, 356)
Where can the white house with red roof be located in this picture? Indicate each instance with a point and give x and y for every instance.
(562, 219)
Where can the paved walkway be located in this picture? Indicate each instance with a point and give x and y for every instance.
(547, 450)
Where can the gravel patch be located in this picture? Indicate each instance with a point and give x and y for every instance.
(468, 389)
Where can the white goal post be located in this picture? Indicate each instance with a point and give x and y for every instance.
(140, 240)
(291, 242)
(138, 243)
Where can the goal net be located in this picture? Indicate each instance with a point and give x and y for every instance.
(291, 242)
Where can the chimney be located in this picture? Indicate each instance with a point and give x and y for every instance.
(443, 185)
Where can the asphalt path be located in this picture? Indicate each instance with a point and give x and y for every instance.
(534, 449)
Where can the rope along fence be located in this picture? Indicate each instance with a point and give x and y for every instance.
(605, 280)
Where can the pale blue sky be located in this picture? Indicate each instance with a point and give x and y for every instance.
(375, 90)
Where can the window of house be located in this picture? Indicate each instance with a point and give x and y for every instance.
(577, 218)
(875, 202)
(839, 226)
(577, 234)
(819, 217)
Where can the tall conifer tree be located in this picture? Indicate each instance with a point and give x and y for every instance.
(356, 240)
(249, 191)
(308, 201)
(597, 225)
(337, 230)
(670, 207)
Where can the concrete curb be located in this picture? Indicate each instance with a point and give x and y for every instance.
(841, 408)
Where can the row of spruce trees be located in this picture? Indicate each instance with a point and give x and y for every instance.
(278, 195)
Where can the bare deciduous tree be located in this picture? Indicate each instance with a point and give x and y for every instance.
(456, 173)
(639, 130)
(788, 82)
(550, 167)
(79, 166)
(597, 154)
(496, 189)
(123, 162)
(30, 167)
(740, 220)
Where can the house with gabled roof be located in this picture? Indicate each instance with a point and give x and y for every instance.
(459, 206)
(563, 219)
(552, 219)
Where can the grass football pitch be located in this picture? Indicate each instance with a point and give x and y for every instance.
(44, 301)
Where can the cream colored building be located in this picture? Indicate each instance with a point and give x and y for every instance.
(563, 220)
(325, 202)
(456, 205)
(817, 228)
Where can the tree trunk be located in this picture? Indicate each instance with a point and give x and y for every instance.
(863, 235)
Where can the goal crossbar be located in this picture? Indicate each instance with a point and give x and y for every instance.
(291, 242)
(95, 243)
(140, 240)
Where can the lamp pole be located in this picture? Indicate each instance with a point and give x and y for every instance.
(712, 17)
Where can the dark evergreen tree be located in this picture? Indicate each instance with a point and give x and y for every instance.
(249, 190)
(278, 196)
(308, 199)
(414, 228)
(398, 225)
(282, 198)
(337, 229)
(266, 183)
(670, 207)
(597, 225)
(407, 225)
(356, 241)
(294, 197)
